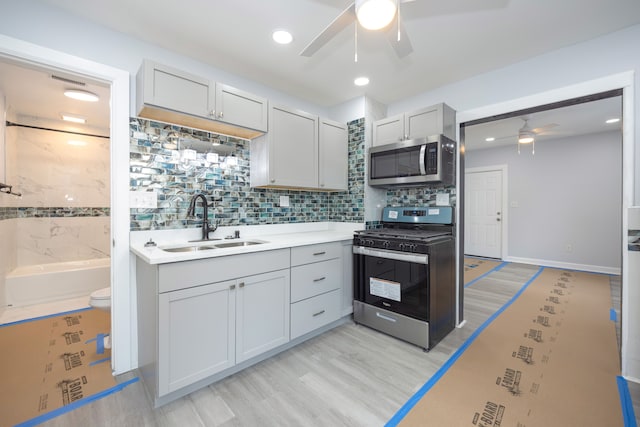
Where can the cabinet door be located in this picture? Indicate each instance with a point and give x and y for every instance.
(347, 278)
(389, 130)
(240, 108)
(423, 123)
(196, 334)
(176, 90)
(334, 155)
(293, 149)
(262, 313)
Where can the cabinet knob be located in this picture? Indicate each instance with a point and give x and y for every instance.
(212, 113)
(221, 114)
(241, 284)
(232, 287)
(273, 180)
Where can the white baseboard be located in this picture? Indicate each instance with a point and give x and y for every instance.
(566, 265)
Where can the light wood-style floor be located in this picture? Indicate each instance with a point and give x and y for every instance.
(350, 376)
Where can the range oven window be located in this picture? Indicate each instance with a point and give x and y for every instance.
(400, 286)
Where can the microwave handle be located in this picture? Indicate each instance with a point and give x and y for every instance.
(423, 160)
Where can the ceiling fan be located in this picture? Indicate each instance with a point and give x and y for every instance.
(527, 135)
(372, 15)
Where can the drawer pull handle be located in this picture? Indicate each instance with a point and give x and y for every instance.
(319, 253)
(319, 279)
(388, 318)
(318, 313)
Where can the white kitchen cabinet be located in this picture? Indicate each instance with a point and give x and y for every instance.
(196, 328)
(300, 151)
(438, 119)
(316, 283)
(262, 313)
(333, 155)
(347, 277)
(287, 156)
(174, 96)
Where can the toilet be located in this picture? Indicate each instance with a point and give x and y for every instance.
(101, 299)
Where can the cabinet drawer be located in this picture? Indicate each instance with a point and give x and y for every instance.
(314, 279)
(314, 313)
(313, 253)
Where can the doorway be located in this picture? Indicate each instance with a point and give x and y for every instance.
(484, 216)
(122, 327)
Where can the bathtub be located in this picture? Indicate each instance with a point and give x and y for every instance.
(36, 284)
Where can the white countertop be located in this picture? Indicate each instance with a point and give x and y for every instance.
(276, 236)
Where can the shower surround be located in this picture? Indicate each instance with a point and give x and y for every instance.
(63, 214)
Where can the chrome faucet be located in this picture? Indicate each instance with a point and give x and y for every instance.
(206, 227)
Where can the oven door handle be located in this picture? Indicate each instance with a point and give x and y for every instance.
(398, 256)
(423, 160)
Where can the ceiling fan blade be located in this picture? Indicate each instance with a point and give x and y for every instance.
(545, 128)
(340, 23)
(403, 46)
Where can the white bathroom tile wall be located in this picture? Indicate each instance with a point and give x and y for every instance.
(59, 239)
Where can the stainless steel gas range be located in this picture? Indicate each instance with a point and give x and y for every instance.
(404, 274)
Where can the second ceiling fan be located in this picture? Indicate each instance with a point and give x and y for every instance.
(371, 15)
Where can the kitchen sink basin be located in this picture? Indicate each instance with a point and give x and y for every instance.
(236, 244)
(188, 248)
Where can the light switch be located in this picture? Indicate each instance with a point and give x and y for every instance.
(143, 200)
(284, 201)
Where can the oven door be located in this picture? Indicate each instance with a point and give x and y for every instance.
(395, 281)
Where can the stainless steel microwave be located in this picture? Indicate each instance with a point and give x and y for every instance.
(413, 162)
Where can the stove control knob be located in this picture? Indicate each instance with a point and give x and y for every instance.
(412, 247)
(385, 244)
(370, 242)
(401, 246)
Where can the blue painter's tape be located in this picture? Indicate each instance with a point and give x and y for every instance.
(613, 316)
(496, 268)
(95, 362)
(404, 410)
(626, 403)
(64, 313)
(78, 403)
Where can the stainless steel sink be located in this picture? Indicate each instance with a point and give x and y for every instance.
(236, 244)
(188, 248)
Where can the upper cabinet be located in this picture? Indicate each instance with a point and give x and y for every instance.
(333, 149)
(170, 95)
(435, 120)
(300, 151)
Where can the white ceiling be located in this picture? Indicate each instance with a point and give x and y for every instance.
(452, 39)
(574, 120)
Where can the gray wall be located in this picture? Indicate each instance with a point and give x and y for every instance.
(568, 193)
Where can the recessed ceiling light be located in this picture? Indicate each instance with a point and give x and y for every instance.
(282, 36)
(614, 120)
(361, 81)
(490, 139)
(81, 95)
(73, 118)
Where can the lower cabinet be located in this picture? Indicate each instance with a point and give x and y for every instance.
(196, 329)
(262, 314)
(207, 329)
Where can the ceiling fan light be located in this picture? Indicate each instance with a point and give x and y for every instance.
(375, 14)
(525, 138)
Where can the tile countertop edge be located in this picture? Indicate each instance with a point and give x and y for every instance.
(277, 237)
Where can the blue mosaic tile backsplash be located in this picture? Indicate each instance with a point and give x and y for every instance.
(157, 164)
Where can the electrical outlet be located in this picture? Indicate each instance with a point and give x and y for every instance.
(284, 201)
(143, 200)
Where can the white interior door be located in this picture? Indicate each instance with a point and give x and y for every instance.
(483, 216)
